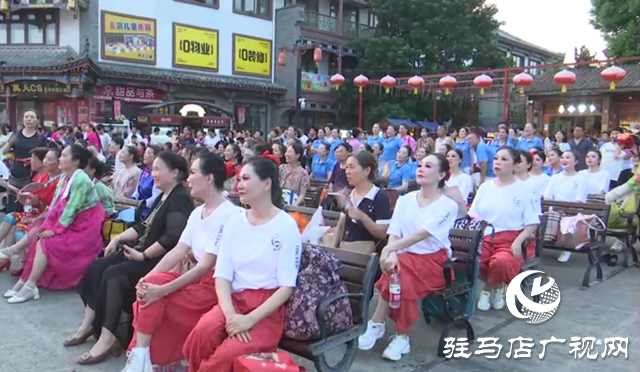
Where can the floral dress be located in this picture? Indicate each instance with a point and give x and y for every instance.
(292, 179)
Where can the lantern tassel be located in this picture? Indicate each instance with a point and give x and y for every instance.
(564, 89)
(482, 91)
(415, 91)
(359, 89)
(337, 87)
(387, 90)
(612, 86)
(521, 90)
(447, 92)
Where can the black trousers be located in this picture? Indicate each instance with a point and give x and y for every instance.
(108, 287)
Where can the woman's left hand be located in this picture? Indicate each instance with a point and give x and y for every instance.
(46, 234)
(389, 265)
(354, 213)
(132, 254)
(516, 248)
(239, 323)
(149, 293)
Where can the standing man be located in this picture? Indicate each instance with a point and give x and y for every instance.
(105, 139)
(580, 144)
(481, 159)
(529, 138)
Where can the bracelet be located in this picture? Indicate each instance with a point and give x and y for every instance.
(144, 256)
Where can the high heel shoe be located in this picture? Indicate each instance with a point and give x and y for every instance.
(87, 359)
(34, 293)
(75, 341)
(5, 265)
(10, 293)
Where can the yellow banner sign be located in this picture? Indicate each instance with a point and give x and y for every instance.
(128, 38)
(195, 47)
(251, 56)
(26, 88)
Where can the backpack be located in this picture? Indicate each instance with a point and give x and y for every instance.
(317, 279)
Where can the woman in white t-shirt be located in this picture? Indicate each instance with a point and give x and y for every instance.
(255, 275)
(457, 177)
(418, 248)
(511, 212)
(567, 186)
(523, 173)
(539, 178)
(597, 179)
(170, 302)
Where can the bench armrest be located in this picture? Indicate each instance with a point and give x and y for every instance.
(448, 265)
(323, 306)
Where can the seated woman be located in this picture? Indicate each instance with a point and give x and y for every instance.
(293, 176)
(338, 176)
(145, 190)
(457, 177)
(107, 287)
(71, 235)
(537, 174)
(513, 221)
(95, 170)
(125, 179)
(233, 158)
(322, 166)
(597, 180)
(553, 162)
(401, 171)
(171, 302)
(40, 200)
(418, 248)
(368, 208)
(255, 276)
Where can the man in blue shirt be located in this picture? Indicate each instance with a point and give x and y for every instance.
(529, 138)
(391, 145)
(482, 157)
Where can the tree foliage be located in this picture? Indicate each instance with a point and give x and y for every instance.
(583, 54)
(419, 37)
(619, 22)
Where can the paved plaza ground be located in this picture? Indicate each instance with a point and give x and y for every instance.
(32, 333)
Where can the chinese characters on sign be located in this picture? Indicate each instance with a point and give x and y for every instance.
(128, 38)
(195, 47)
(40, 88)
(131, 94)
(579, 347)
(251, 56)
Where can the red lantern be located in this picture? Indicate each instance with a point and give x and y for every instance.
(388, 82)
(613, 75)
(282, 58)
(522, 80)
(360, 81)
(337, 80)
(448, 82)
(416, 83)
(482, 81)
(564, 78)
(317, 55)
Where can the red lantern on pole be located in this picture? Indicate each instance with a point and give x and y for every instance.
(416, 83)
(282, 58)
(564, 78)
(360, 81)
(483, 82)
(388, 82)
(337, 80)
(448, 82)
(317, 56)
(522, 80)
(613, 75)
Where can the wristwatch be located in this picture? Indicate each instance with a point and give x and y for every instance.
(144, 256)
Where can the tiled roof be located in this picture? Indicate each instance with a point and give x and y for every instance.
(511, 39)
(49, 58)
(184, 77)
(587, 80)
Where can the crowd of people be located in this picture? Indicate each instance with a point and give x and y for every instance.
(210, 283)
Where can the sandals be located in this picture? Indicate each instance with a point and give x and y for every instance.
(75, 341)
(87, 359)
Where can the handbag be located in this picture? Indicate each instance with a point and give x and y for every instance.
(266, 362)
(111, 229)
(575, 230)
(364, 246)
(552, 228)
(618, 214)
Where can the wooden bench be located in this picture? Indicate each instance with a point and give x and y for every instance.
(358, 272)
(331, 218)
(314, 192)
(594, 249)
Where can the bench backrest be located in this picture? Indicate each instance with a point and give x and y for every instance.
(314, 192)
(573, 208)
(331, 218)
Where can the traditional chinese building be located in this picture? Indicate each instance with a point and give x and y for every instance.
(160, 51)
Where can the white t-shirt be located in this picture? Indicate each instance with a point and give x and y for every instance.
(597, 182)
(611, 159)
(567, 188)
(464, 183)
(260, 257)
(533, 184)
(506, 208)
(539, 183)
(203, 235)
(211, 141)
(436, 218)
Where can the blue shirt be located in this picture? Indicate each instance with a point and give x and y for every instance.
(391, 147)
(485, 153)
(334, 145)
(495, 144)
(314, 145)
(466, 152)
(400, 173)
(549, 171)
(526, 144)
(320, 169)
(373, 140)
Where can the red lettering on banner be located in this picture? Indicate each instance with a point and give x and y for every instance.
(129, 93)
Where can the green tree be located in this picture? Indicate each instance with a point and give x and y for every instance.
(419, 37)
(619, 23)
(583, 55)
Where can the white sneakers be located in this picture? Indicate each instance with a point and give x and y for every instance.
(493, 299)
(139, 360)
(564, 257)
(398, 346)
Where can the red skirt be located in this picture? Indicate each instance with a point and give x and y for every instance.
(420, 275)
(170, 319)
(497, 262)
(208, 349)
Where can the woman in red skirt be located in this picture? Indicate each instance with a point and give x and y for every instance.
(255, 275)
(508, 205)
(175, 294)
(418, 248)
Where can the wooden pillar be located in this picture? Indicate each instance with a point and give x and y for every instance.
(74, 106)
(530, 109)
(340, 60)
(9, 107)
(340, 15)
(606, 113)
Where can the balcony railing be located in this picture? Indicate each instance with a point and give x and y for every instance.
(330, 24)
